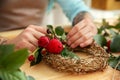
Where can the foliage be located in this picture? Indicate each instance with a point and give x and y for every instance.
(110, 33)
(11, 61)
(59, 34)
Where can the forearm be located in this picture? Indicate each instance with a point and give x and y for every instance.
(80, 16)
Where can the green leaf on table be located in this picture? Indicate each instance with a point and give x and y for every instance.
(100, 39)
(11, 62)
(12, 75)
(15, 59)
(67, 53)
(115, 44)
(5, 50)
(113, 62)
(59, 30)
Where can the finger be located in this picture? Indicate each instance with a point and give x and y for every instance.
(76, 28)
(39, 29)
(79, 34)
(25, 44)
(34, 32)
(30, 38)
(86, 43)
(84, 38)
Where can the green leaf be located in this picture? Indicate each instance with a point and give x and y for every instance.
(113, 61)
(15, 60)
(101, 40)
(100, 30)
(115, 44)
(117, 26)
(67, 53)
(113, 33)
(5, 50)
(30, 78)
(38, 57)
(50, 27)
(12, 75)
(59, 30)
(63, 37)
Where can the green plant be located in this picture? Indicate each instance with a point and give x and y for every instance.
(54, 43)
(109, 38)
(10, 63)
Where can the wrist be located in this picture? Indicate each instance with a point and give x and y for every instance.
(80, 16)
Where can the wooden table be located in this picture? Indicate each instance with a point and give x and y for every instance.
(44, 72)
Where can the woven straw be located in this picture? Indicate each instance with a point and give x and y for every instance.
(94, 60)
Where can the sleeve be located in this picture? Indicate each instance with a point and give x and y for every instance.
(72, 7)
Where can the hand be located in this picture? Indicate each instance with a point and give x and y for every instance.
(82, 33)
(28, 38)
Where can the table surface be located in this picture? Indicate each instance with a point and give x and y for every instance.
(44, 72)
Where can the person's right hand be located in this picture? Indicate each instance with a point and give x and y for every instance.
(28, 38)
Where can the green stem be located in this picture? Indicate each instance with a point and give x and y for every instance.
(36, 50)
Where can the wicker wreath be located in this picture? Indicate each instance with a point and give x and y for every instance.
(96, 60)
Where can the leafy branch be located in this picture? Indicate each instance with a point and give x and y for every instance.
(53, 33)
(11, 61)
(108, 37)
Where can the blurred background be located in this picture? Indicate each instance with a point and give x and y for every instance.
(108, 9)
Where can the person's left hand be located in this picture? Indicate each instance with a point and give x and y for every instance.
(82, 33)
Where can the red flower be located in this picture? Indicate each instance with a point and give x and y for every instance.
(54, 46)
(108, 45)
(43, 41)
(31, 58)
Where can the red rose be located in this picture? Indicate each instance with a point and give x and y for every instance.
(31, 58)
(54, 46)
(108, 45)
(43, 41)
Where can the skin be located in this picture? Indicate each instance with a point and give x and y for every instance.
(28, 38)
(82, 32)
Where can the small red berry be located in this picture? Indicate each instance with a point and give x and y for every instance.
(54, 46)
(108, 45)
(43, 41)
(31, 58)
